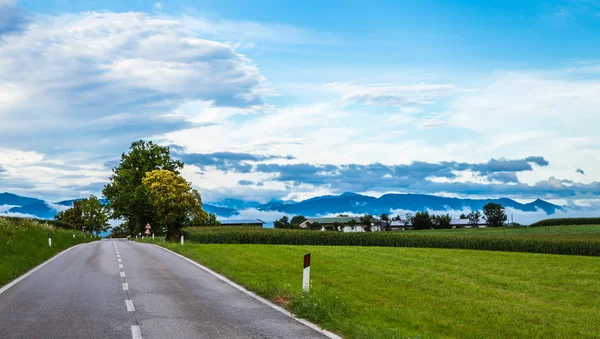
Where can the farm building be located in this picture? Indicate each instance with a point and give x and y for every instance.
(343, 222)
(243, 222)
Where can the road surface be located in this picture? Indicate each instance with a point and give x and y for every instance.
(123, 289)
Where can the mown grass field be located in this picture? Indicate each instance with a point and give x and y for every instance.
(388, 292)
(24, 245)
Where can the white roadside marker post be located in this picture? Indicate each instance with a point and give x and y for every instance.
(49, 239)
(73, 234)
(306, 274)
(182, 238)
(152, 236)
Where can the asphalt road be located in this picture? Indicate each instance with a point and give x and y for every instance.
(151, 293)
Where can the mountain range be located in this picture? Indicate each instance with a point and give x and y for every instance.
(352, 203)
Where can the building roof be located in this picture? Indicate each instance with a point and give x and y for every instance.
(241, 222)
(331, 220)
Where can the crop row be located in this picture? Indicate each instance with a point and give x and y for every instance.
(567, 221)
(386, 239)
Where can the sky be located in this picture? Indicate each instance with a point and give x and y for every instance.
(285, 100)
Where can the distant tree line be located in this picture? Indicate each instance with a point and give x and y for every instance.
(493, 214)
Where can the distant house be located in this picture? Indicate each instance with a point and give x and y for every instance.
(343, 222)
(455, 223)
(243, 222)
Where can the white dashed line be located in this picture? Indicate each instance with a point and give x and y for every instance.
(122, 274)
(129, 306)
(135, 332)
(120, 266)
(125, 287)
(118, 256)
(119, 260)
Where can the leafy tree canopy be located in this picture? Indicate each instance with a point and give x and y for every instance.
(127, 197)
(494, 214)
(89, 212)
(174, 201)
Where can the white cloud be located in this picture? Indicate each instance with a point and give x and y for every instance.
(247, 33)
(158, 6)
(393, 94)
(94, 66)
(4, 208)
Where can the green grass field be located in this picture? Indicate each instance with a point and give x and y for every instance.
(24, 245)
(579, 232)
(386, 292)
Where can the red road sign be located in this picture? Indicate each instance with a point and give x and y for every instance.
(147, 232)
(148, 226)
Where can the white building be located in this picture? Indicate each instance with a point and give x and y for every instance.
(343, 222)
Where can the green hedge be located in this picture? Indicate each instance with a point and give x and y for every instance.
(386, 239)
(567, 221)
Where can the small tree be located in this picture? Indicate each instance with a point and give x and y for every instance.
(352, 223)
(474, 218)
(73, 215)
(463, 216)
(367, 221)
(282, 223)
(409, 219)
(314, 226)
(422, 221)
(94, 215)
(296, 221)
(88, 212)
(211, 220)
(494, 214)
(441, 221)
(387, 222)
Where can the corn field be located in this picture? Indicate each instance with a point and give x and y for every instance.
(243, 235)
(567, 221)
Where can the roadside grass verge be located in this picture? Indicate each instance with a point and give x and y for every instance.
(24, 245)
(378, 292)
(572, 240)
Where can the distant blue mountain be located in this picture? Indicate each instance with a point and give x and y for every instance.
(16, 200)
(38, 209)
(356, 203)
(329, 204)
(220, 211)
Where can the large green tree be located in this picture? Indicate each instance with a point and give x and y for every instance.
(494, 214)
(175, 202)
(127, 197)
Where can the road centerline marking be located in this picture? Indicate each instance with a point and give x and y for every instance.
(120, 266)
(122, 274)
(129, 304)
(136, 333)
(125, 287)
(119, 260)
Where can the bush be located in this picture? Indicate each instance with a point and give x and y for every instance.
(567, 221)
(212, 235)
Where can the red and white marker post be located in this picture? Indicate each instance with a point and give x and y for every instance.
(306, 274)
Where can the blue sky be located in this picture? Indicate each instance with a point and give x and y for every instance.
(288, 100)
